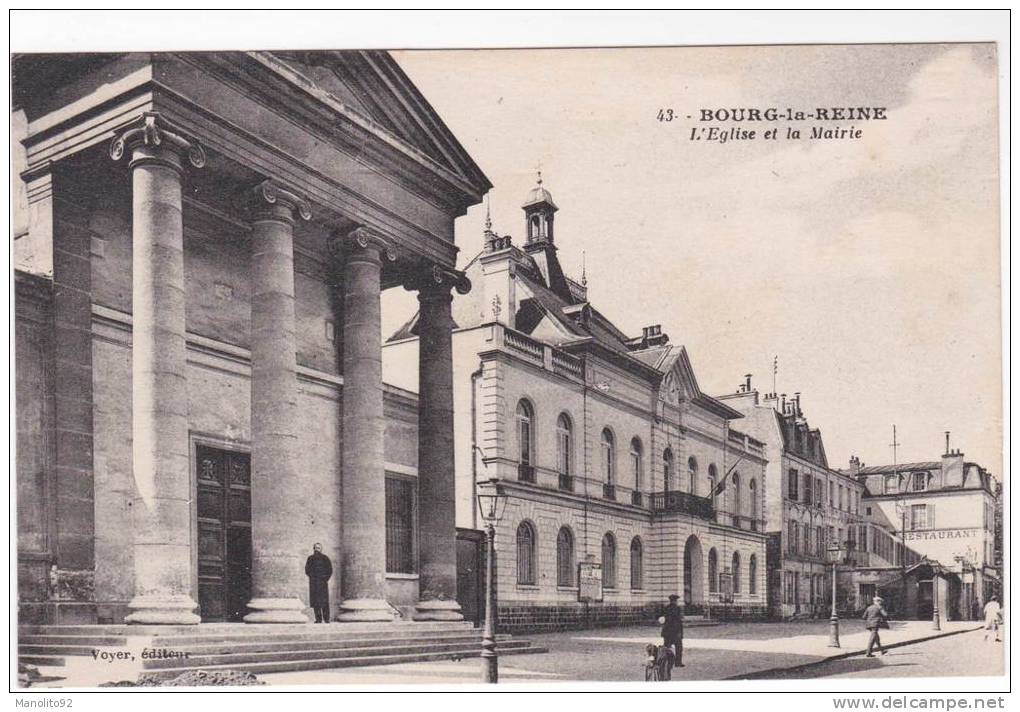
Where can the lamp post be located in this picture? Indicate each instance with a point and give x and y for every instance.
(491, 505)
(834, 553)
(936, 623)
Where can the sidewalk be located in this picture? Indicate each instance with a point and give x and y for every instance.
(725, 652)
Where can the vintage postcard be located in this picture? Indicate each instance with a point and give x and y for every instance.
(650, 365)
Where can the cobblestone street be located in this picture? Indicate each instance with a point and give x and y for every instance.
(711, 653)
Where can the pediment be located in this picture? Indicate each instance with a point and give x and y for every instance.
(371, 84)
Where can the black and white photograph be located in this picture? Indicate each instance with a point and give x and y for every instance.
(470, 362)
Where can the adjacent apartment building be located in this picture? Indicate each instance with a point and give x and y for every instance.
(941, 517)
(808, 505)
(607, 447)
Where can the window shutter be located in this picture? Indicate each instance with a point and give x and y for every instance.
(931, 516)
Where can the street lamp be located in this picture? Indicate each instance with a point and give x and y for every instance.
(491, 505)
(936, 623)
(834, 555)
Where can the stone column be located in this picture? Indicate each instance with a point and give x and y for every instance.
(437, 532)
(364, 495)
(277, 574)
(162, 510)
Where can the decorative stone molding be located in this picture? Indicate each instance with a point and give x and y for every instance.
(269, 199)
(436, 279)
(360, 239)
(156, 132)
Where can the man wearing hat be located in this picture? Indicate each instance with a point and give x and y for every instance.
(672, 620)
(875, 618)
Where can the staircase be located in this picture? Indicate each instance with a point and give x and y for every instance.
(100, 653)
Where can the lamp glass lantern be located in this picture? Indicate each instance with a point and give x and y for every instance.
(835, 552)
(491, 502)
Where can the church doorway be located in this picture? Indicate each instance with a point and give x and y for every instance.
(694, 587)
(224, 533)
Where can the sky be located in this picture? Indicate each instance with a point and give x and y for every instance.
(870, 267)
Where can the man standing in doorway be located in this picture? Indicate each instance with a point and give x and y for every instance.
(319, 569)
(672, 620)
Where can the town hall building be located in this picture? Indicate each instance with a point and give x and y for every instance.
(609, 452)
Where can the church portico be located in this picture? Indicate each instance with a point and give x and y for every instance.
(256, 417)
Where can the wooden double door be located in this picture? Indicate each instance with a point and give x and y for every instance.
(224, 533)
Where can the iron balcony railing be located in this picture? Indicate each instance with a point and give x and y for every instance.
(676, 501)
(526, 473)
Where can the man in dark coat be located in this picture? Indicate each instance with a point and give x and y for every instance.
(319, 568)
(875, 618)
(672, 620)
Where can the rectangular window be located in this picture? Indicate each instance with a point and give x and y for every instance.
(920, 482)
(918, 516)
(820, 534)
(891, 484)
(792, 484)
(400, 512)
(842, 498)
(807, 488)
(807, 540)
(832, 494)
(794, 536)
(819, 493)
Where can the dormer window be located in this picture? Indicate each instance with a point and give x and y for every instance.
(892, 485)
(920, 482)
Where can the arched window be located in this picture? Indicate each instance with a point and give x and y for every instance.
(635, 462)
(608, 457)
(752, 575)
(735, 484)
(564, 443)
(713, 571)
(525, 432)
(667, 469)
(692, 475)
(564, 557)
(637, 578)
(713, 480)
(752, 487)
(736, 572)
(526, 554)
(609, 561)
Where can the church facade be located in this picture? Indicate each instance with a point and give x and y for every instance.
(609, 452)
(201, 244)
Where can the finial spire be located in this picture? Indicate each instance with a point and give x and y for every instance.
(488, 214)
(539, 171)
(584, 270)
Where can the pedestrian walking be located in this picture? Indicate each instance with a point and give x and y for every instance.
(319, 569)
(875, 618)
(672, 620)
(993, 618)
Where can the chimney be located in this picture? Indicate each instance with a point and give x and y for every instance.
(653, 336)
(796, 404)
(747, 382)
(782, 403)
(947, 442)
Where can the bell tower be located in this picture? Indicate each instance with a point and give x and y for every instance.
(538, 214)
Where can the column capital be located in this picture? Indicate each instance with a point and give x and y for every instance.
(158, 135)
(363, 238)
(271, 200)
(435, 280)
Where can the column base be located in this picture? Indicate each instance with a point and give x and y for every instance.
(437, 611)
(362, 610)
(163, 610)
(276, 610)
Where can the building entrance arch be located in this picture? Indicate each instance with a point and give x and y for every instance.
(694, 580)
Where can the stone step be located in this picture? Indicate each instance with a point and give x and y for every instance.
(320, 663)
(311, 636)
(62, 650)
(41, 660)
(361, 652)
(92, 640)
(123, 629)
(214, 647)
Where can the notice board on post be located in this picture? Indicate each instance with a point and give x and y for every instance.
(589, 581)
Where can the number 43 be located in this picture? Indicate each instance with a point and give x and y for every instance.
(665, 115)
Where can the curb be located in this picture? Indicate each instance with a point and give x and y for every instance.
(758, 674)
